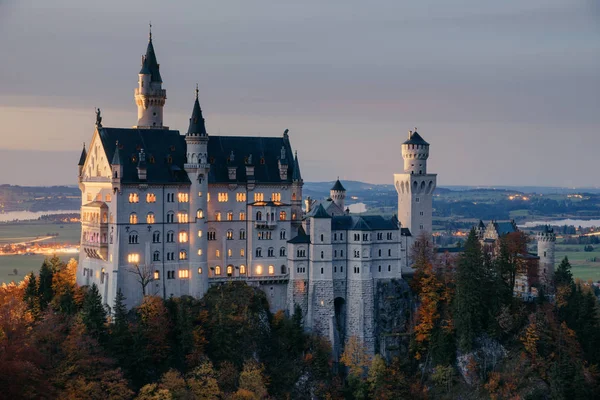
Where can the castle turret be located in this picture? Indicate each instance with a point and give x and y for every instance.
(415, 186)
(82, 161)
(197, 168)
(338, 194)
(546, 242)
(297, 184)
(150, 97)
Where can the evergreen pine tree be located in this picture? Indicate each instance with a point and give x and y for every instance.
(563, 275)
(45, 292)
(93, 313)
(30, 297)
(469, 307)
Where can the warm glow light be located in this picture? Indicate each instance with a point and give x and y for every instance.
(259, 270)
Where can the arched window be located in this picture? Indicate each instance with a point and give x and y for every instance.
(150, 198)
(242, 269)
(229, 270)
(170, 217)
(199, 214)
(183, 237)
(282, 234)
(199, 270)
(271, 252)
(259, 216)
(242, 234)
(259, 270)
(282, 215)
(133, 219)
(217, 270)
(283, 270)
(229, 234)
(150, 218)
(170, 237)
(182, 255)
(271, 270)
(322, 255)
(134, 198)
(258, 252)
(133, 237)
(230, 216)
(322, 238)
(282, 252)
(156, 256)
(156, 275)
(211, 235)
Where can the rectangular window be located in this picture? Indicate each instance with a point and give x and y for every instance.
(133, 258)
(150, 198)
(275, 196)
(208, 197)
(182, 218)
(223, 197)
(184, 273)
(242, 253)
(240, 197)
(258, 196)
(183, 197)
(417, 199)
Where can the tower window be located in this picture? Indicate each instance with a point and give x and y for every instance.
(271, 270)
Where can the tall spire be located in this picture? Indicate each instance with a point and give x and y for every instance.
(116, 157)
(197, 126)
(83, 156)
(296, 174)
(150, 65)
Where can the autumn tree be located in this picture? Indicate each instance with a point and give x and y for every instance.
(63, 286)
(253, 380)
(202, 381)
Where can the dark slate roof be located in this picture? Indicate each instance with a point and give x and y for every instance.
(481, 224)
(415, 138)
(504, 228)
(338, 186)
(405, 232)
(302, 237)
(296, 174)
(547, 228)
(320, 212)
(116, 160)
(265, 152)
(158, 145)
(83, 156)
(364, 223)
(150, 64)
(197, 126)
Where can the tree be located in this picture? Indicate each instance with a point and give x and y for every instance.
(63, 286)
(143, 274)
(45, 291)
(355, 356)
(468, 300)
(563, 275)
(202, 381)
(511, 247)
(93, 313)
(30, 296)
(252, 379)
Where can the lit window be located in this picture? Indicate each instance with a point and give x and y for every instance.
(182, 217)
(134, 198)
(218, 216)
(218, 253)
(183, 237)
(207, 197)
(183, 197)
(271, 270)
(133, 218)
(229, 234)
(133, 258)
(242, 269)
(282, 215)
(242, 216)
(240, 197)
(184, 273)
(229, 252)
(199, 194)
(258, 197)
(229, 216)
(217, 270)
(259, 270)
(156, 275)
(150, 218)
(200, 270)
(242, 252)
(222, 197)
(199, 233)
(182, 255)
(229, 270)
(108, 198)
(276, 196)
(200, 214)
(150, 198)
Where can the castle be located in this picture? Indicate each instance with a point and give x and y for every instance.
(169, 215)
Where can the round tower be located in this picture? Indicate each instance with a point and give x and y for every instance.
(197, 168)
(415, 152)
(338, 194)
(150, 97)
(546, 242)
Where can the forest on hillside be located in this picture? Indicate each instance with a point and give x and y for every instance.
(467, 337)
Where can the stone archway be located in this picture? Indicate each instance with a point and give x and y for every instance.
(339, 305)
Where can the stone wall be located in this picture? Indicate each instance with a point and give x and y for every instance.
(360, 320)
(394, 307)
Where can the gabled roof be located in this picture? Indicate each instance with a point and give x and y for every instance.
(320, 213)
(365, 223)
(197, 126)
(481, 224)
(165, 153)
(82, 157)
(265, 152)
(415, 138)
(504, 228)
(150, 64)
(302, 237)
(338, 186)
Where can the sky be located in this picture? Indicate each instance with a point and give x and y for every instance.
(506, 92)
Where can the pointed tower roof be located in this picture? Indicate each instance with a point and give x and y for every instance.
(149, 62)
(320, 213)
(415, 138)
(197, 126)
(296, 174)
(83, 156)
(116, 158)
(338, 186)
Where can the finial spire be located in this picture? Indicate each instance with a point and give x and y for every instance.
(196, 91)
(150, 32)
(415, 128)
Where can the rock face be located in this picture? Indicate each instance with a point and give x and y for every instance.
(394, 306)
(486, 354)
